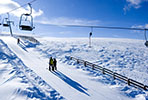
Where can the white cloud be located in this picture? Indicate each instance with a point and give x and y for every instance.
(146, 26)
(8, 5)
(139, 26)
(68, 21)
(65, 32)
(133, 3)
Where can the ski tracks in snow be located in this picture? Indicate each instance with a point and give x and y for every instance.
(33, 86)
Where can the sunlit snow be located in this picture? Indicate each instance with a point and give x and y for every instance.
(24, 71)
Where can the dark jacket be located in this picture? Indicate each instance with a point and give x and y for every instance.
(54, 62)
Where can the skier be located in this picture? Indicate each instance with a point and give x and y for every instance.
(54, 64)
(18, 41)
(50, 63)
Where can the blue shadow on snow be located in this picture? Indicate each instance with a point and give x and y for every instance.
(70, 82)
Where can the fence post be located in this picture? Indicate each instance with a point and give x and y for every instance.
(85, 63)
(128, 81)
(93, 66)
(114, 74)
(103, 71)
(77, 61)
(145, 87)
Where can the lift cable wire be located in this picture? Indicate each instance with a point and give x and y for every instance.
(21, 6)
(107, 27)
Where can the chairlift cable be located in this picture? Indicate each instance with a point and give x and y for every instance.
(107, 27)
(21, 6)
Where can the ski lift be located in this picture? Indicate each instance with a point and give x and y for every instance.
(90, 34)
(146, 43)
(5, 22)
(26, 18)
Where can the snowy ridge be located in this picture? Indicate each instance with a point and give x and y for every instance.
(30, 85)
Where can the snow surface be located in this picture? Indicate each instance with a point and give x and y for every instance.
(24, 74)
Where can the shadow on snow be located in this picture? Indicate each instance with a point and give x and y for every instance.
(71, 82)
(36, 87)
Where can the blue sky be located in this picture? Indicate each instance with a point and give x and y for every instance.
(125, 13)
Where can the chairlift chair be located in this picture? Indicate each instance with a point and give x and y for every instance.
(28, 27)
(146, 43)
(90, 34)
(5, 22)
(25, 27)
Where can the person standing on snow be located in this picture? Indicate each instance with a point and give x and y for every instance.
(50, 63)
(18, 41)
(54, 64)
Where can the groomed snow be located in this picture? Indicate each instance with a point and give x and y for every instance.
(24, 74)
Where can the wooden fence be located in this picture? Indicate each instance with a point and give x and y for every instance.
(29, 38)
(111, 73)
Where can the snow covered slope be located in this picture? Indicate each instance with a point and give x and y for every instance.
(24, 73)
(19, 82)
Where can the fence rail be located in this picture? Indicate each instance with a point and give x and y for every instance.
(111, 73)
(30, 38)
